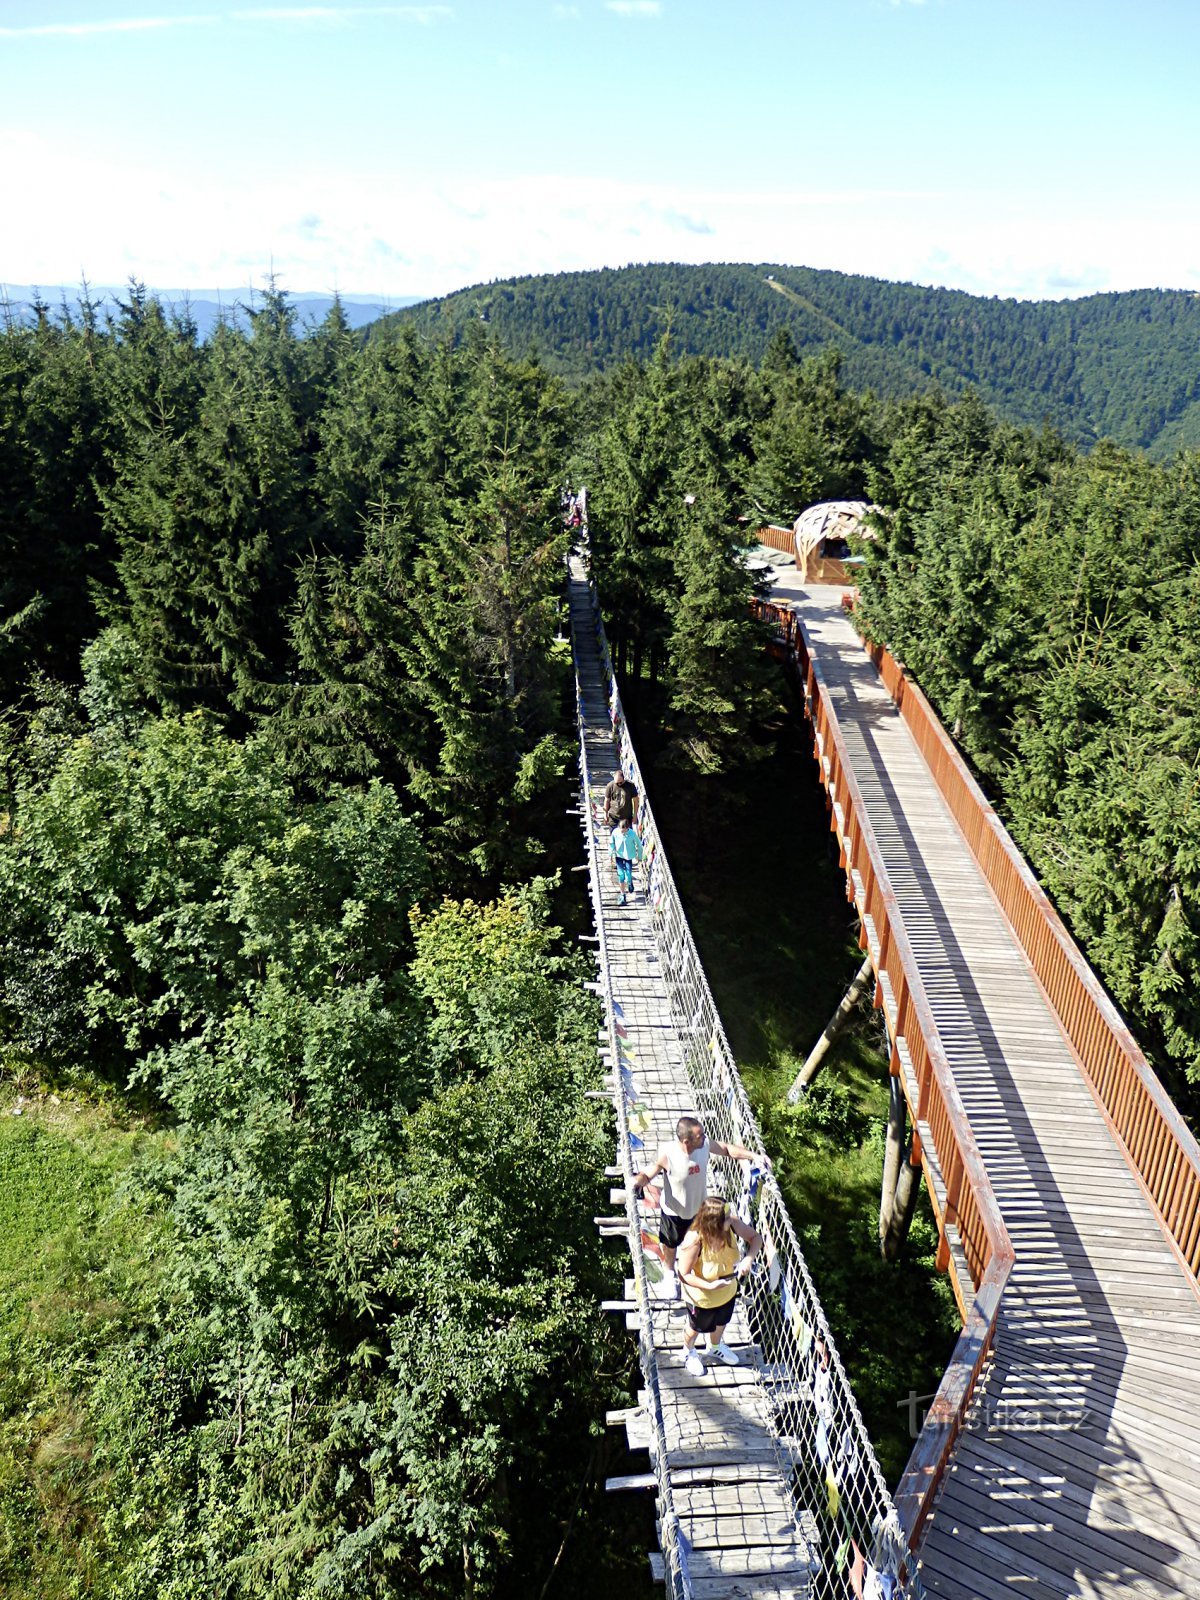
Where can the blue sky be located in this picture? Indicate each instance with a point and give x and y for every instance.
(999, 146)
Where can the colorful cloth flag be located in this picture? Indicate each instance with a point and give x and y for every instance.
(833, 1498)
(639, 1118)
(857, 1571)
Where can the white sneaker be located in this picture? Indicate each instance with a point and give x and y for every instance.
(694, 1364)
(670, 1286)
(728, 1356)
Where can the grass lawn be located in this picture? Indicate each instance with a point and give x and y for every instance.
(757, 868)
(75, 1258)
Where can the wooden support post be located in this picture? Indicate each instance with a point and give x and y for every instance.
(904, 1205)
(893, 1154)
(835, 1025)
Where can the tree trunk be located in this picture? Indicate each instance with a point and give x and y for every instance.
(908, 1186)
(892, 1156)
(836, 1023)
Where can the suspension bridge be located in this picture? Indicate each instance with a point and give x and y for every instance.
(1061, 1454)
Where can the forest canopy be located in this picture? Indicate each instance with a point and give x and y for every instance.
(287, 727)
(301, 1051)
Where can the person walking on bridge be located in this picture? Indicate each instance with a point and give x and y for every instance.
(620, 800)
(684, 1168)
(709, 1270)
(625, 848)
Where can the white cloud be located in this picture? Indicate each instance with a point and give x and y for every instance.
(392, 234)
(114, 25)
(634, 8)
(422, 14)
(341, 14)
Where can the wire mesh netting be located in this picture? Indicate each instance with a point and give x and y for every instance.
(842, 1505)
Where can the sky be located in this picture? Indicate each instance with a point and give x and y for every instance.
(1004, 147)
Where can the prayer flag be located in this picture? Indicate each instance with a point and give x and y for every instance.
(639, 1118)
(857, 1571)
(833, 1498)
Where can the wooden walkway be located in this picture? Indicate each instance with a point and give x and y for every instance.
(743, 1532)
(1078, 1473)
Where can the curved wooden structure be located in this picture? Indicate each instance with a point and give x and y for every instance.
(1062, 1453)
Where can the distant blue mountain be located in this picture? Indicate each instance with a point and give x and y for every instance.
(206, 306)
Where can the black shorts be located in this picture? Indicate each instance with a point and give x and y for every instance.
(707, 1319)
(671, 1230)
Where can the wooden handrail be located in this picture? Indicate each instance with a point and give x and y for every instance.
(966, 1201)
(1160, 1148)
(1157, 1142)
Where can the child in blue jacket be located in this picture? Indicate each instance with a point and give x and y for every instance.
(625, 847)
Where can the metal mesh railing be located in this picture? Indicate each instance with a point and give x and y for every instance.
(843, 1507)
(671, 1539)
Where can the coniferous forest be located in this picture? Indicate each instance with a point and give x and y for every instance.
(1121, 366)
(298, 1275)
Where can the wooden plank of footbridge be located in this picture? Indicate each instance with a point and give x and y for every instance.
(732, 1498)
(1078, 1472)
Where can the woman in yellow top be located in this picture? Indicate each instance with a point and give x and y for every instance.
(709, 1268)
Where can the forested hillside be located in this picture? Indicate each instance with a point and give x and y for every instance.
(1120, 366)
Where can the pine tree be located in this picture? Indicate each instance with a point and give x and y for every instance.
(54, 551)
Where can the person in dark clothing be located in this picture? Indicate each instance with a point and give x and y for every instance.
(621, 800)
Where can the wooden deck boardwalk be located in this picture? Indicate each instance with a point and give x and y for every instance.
(1078, 1473)
(744, 1535)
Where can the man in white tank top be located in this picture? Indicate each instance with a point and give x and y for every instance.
(684, 1168)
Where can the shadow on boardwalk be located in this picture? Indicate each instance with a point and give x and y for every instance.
(1077, 1472)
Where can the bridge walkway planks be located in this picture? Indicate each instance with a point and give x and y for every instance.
(1079, 1471)
(733, 1498)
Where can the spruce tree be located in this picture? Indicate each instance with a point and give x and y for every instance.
(716, 650)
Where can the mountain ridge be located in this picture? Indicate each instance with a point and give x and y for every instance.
(1122, 365)
(206, 307)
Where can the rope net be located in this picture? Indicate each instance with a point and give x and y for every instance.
(842, 1504)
